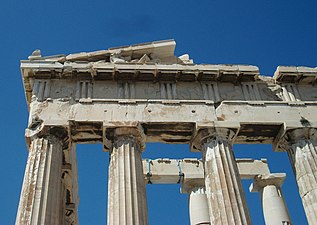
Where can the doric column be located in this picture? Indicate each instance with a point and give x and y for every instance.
(126, 186)
(41, 196)
(301, 145)
(273, 204)
(227, 204)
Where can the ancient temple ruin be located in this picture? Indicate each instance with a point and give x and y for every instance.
(124, 97)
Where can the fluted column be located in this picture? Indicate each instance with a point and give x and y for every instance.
(127, 203)
(227, 204)
(273, 204)
(40, 200)
(198, 206)
(302, 150)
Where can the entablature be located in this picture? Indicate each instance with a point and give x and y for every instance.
(169, 96)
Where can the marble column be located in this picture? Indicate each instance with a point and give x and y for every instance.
(41, 195)
(198, 206)
(273, 204)
(127, 202)
(227, 204)
(302, 150)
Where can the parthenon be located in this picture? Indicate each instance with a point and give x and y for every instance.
(127, 96)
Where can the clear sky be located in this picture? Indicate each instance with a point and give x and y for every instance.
(262, 33)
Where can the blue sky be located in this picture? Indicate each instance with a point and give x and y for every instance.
(263, 33)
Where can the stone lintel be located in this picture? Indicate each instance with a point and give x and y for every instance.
(190, 171)
(112, 131)
(216, 129)
(249, 168)
(258, 124)
(263, 180)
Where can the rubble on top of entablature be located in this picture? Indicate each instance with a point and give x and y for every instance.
(36, 54)
(185, 58)
(267, 79)
(154, 59)
(157, 52)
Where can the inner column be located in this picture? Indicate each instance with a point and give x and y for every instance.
(198, 206)
(127, 202)
(273, 204)
(227, 204)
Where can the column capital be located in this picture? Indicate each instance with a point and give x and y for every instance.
(113, 132)
(212, 131)
(263, 180)
(288, 137)
(40, 130)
